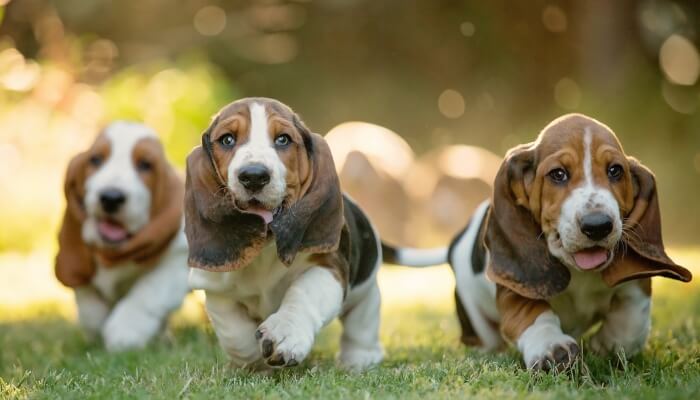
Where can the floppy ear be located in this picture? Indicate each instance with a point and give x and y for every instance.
(220, 237)
(74, 264)
(645, 255)
(166, 217)
(315, 221)
(519, 257)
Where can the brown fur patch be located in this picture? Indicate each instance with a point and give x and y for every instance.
(517, 312)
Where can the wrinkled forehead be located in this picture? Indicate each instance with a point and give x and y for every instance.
(242, 108)
(575, 133)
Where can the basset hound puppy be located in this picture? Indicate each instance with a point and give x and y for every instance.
(570, 238)
(122, 246)
(278, 249)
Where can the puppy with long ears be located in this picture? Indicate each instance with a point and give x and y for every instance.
(122, 246)
(278, 249)
(571, 237)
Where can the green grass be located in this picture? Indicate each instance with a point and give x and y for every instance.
(42, 355)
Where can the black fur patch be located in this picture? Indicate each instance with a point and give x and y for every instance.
(360, 247)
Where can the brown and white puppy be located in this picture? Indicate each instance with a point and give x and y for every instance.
(278, 249)
(122, 245)
(571, 237)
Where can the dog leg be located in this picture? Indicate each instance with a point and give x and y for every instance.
(536, 330)
(359, 346)
(627, 324)
(234, 329)
(93, 310)
(141, 314)
(312, 301)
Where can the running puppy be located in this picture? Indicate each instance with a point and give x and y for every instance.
(122, 246)
(278, 249)
(571, 237)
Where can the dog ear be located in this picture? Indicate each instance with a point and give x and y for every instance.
(645, 255)
(220, 237)
(315, 221)
(519, 257)
(74, 265)
(167, 195)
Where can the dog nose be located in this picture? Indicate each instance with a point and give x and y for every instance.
(596, 225)
(111, 199)
(254, 177)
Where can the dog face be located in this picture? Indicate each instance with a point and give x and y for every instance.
(259, 150)
(573, 200)
(260, 174)
(586, 190)
(119, 182)
(123, 203)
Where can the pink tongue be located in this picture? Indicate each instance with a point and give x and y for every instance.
(262, 212)
(112, 232)
(591, 258)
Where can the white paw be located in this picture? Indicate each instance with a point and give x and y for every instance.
(129, 330)
(355, 358)
(557, 352)
(283, 341)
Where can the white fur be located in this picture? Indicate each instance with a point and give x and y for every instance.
(293, 303)
(541, 338)
(117, 171)
(127, 305)
(421, 257)
(259, 149)
(588, 197)
(477, 293)
(627, 325)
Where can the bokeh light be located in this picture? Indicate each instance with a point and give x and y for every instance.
(567, 94)
(680, 60)
(451, 103)
(467, 28)
(210, 20)
(554, 19)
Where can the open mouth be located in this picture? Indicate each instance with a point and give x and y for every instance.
(111, 231)
(257, 208)
(591, 258)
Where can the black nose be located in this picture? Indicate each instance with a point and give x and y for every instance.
(111, 200)
(596, 225)
(254, 177)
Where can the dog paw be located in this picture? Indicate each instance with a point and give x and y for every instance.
(556, 355)
(283, 343)
(126, 331)
(359, 359)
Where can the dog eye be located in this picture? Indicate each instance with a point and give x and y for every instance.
(227, 140)
(283, 140)
(615, 171)
(144, 165)
(558, 175)
(96, 160)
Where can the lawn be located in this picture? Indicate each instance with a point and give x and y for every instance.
(42, 354)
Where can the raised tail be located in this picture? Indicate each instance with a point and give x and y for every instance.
(414, 257)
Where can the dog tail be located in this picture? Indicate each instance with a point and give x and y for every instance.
(414, 257)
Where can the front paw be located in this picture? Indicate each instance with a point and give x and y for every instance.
(126, 331)
(557, 354)
(283, 342)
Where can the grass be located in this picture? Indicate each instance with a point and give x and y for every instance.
(42, 355)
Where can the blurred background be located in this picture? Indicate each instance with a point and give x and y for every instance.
(421, 98)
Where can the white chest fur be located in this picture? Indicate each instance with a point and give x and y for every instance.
(258, 287)
(585, 301)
